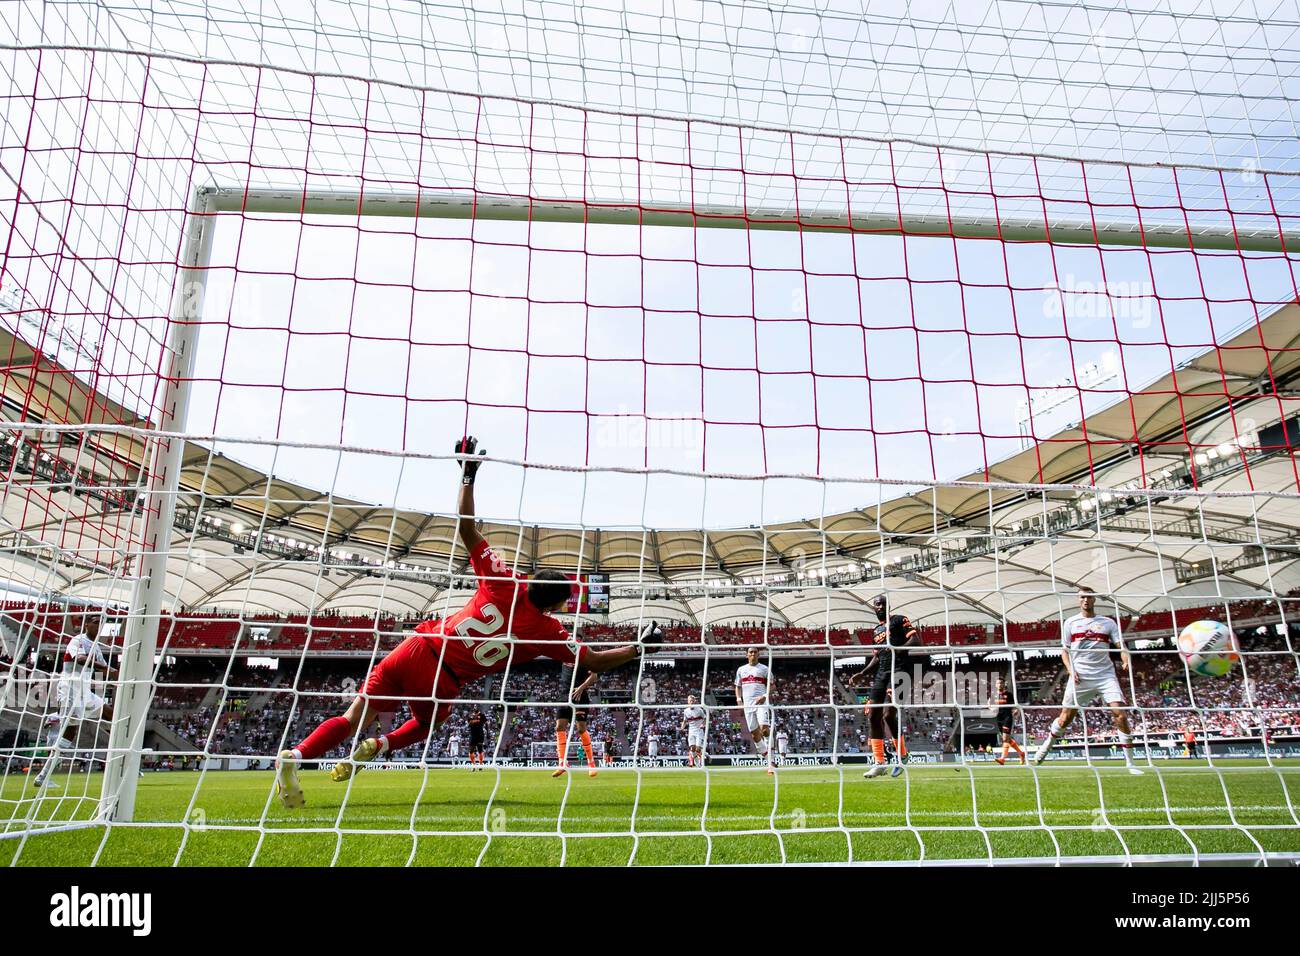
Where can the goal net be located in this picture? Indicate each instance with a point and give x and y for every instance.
(735, 379)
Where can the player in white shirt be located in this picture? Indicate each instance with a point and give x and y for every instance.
(652, 746)
(753, 688)
(75, 692)
(782, 743)
(453, 746)
(694, 719)
(1087, 641)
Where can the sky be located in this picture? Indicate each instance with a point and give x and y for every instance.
(709, 331)
(750, 352)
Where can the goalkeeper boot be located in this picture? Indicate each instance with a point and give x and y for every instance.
(286, 780)
(560, 771)
(877, 770)
(366, 751)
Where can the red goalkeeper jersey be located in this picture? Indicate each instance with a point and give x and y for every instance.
(499, 625)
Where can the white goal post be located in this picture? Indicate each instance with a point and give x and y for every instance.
(135, 690)
(487, 207)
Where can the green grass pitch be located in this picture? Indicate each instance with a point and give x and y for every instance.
(515, 817)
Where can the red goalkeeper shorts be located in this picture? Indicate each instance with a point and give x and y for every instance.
(410, 673)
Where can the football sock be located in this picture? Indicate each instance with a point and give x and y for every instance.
(52, 757)
(1053, 733)
(562, 747)
(411, 732)
(324, 738)
(586, 748)
(878, 749)
(1126, 745)
(900, 746)
(1016, 747)
(1005, 747)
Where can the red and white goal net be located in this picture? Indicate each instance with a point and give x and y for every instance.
(736, 378)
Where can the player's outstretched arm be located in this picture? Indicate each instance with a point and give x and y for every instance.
(600, 661)
(870, 668)
(465, 527)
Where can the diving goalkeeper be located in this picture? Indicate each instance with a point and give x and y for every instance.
(508, 620)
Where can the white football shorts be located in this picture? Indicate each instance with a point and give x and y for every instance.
(1082, 693)
(756, 717)
(77, 701)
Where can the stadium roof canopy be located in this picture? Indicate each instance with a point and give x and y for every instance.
(970, 551)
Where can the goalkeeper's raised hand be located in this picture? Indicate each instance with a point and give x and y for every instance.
(469, 467)
(649, 638)
(465, 527)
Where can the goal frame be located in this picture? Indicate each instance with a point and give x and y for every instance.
(208, 203)
(140, 638)
(487, 206)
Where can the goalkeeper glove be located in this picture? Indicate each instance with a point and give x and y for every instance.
(651, 632)
(469, 467)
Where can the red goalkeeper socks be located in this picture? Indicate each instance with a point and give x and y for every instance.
(562, 747)
(586, 748)
(325, 738)
(411, 732)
